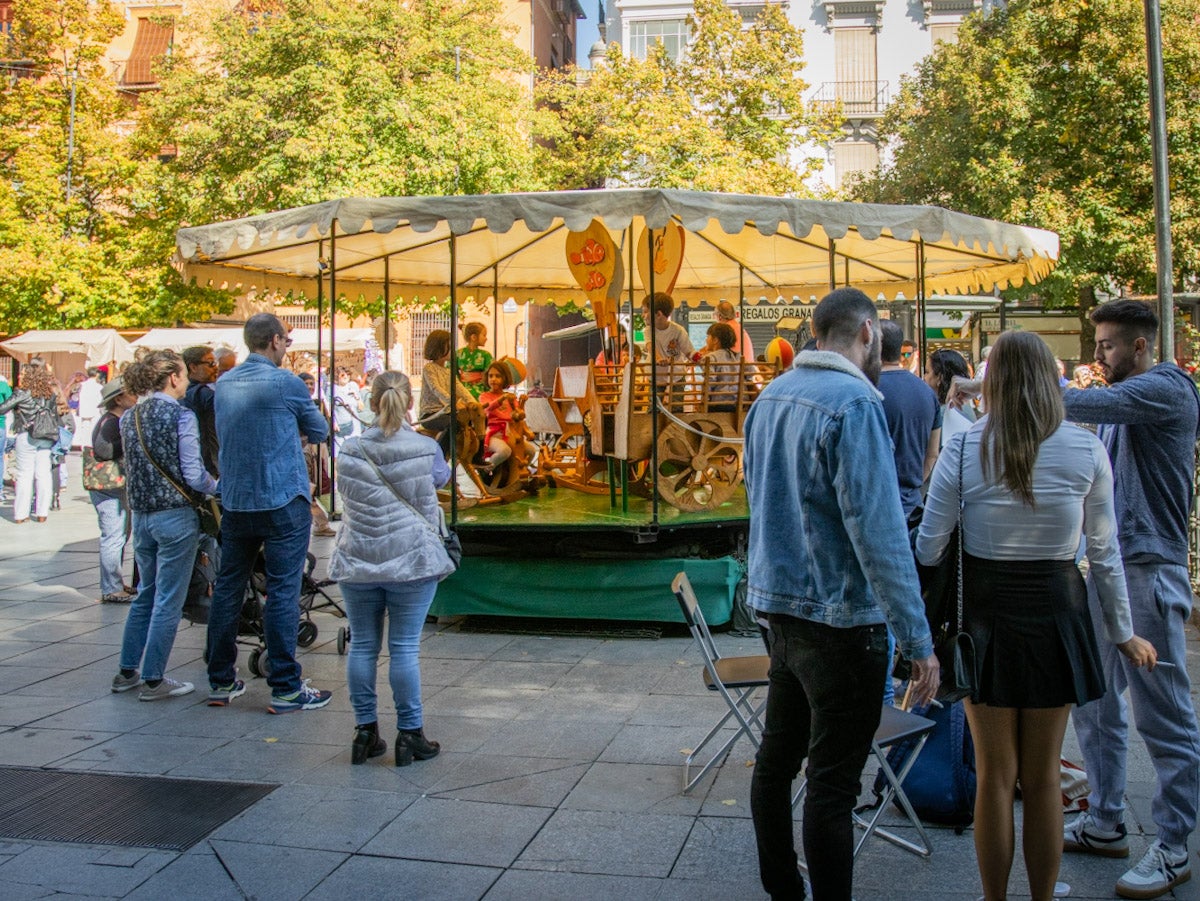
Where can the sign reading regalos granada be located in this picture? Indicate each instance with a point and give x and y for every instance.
(762, 312)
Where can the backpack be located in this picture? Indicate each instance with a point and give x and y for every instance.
(941, 784)
(199, 594)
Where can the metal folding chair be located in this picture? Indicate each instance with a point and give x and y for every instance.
(733, 678)
(895, 726)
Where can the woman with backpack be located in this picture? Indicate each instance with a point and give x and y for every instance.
(38, 406)
(1031, 483)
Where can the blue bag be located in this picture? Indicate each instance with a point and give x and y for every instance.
(941, 784)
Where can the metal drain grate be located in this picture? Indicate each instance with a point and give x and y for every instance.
(103, 809)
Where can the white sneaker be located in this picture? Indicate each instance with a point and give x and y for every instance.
(1085, 836)
(1154, 874)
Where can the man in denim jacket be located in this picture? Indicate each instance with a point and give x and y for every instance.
(262, 414)
(829, 556)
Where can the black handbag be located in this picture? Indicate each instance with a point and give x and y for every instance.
(955, 649)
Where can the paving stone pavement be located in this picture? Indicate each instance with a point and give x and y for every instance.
(560, 775)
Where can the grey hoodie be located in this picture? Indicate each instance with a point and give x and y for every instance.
(1150, 424)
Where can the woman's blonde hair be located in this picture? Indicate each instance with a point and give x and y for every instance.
(391, 399)
(1024, 406)
(151, 372)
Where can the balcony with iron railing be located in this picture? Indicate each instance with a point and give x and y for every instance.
(858, 98)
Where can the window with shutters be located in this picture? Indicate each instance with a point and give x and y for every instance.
(853, 156)
(151, 43)
(856, 69)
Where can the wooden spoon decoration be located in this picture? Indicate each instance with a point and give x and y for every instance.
(596, 265)
(668, 257)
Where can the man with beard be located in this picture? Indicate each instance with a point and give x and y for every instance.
(829, 562)
(1149, 419)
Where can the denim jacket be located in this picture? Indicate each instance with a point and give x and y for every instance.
(261, 413)
(828, 541)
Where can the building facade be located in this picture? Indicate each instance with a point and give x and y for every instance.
(856, 52)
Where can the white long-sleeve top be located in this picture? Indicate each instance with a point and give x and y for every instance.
(1073, 487)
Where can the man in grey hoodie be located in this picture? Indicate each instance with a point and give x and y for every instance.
(1149, 421)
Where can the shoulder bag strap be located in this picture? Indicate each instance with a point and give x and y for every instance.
(399, 496)
(137, 424)
(962, 455)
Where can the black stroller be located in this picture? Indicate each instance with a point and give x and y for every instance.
(251, 630)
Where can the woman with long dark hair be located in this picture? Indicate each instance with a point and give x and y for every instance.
(164, 475)
(388, 561)
(1030, 484)
(38, 406)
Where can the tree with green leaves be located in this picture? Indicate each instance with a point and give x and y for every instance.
(729, 115)
(1039, 114)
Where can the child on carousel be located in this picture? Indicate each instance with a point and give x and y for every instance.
(499, 406)
(473, 360)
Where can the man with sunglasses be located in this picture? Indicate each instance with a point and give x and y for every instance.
(202, 373)
(264, 414)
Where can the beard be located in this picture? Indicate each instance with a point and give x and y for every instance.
(874, 362)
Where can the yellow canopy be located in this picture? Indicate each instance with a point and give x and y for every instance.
(777, 248)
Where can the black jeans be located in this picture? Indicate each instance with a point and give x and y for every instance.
(823, 703)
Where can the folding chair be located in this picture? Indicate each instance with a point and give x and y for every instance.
(734, 678)
(895, 726)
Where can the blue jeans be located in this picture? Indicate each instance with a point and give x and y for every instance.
(164, 544)
(282, 537)
(823, 703)
(112, 511)
(406, 605)
(1160, 599)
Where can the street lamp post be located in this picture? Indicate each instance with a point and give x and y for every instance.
(1162, 188)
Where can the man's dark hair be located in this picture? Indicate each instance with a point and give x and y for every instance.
(891, 342)
(196, 353)
(261, 329)
(1135, 319)
(660, 302)
(840, 315)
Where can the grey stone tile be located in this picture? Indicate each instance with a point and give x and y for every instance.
(347, 818)
(276, 873)
(534, 782)
(556, 649)
(44, 747)
(113, 712)
(191, 877)
(638, 651)
(633, 788)
(522, 885)
(74, 869)
(244, 716)
(440, 671)
(651, 744)
(462, 734)
(106, 633)
(257, 761)
(405, 878)
(551, 738)
(15, 678)
(723, 889)
(66, 655)
(719, 849)
(673, 710)
(463, 645)
(497, 703)
(459, 832)
(622, 844)
(134, 753)
(580, 707)
(618, 678)
(511, 674)
(21, 710)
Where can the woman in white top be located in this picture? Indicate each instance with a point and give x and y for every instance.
(1031, 484)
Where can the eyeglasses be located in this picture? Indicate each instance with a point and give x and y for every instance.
(212, 363)
(287, 342)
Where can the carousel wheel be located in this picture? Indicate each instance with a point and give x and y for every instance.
(697, 471)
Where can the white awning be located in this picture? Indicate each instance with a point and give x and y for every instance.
(100, 345)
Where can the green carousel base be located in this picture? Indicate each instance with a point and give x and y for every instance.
(636, 589)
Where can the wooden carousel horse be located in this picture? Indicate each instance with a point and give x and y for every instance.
(512, 478)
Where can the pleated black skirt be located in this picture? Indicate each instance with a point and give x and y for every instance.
(1034, 641)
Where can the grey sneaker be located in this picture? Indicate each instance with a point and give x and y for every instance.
(124, 683)
(167, 688)
(1155, 874)
(221, 695)
(1085, 836)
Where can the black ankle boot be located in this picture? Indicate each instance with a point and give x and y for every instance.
(367, 743)
(412, 744)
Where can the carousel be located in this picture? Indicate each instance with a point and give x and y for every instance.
(626, 470)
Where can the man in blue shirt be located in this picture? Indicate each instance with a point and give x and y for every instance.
(263, 415)
(1149, 420)
(914, 418)
(829, 561)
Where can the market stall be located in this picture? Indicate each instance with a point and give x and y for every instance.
(70, 350)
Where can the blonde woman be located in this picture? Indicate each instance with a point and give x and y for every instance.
(388, 560)
(1030, 484)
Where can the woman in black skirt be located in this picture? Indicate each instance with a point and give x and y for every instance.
(1031, 484)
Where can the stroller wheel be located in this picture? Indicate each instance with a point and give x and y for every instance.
(343, 639)
(306, 634)
(258, 663)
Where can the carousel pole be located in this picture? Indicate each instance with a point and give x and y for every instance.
(333, 514)
(496, 314)
(387, 313)
(632, 342)
(653, 386)
(453, 378)
(832, 264)
(321, 265)
(742, 309)
(921, 317)
(1162, 187)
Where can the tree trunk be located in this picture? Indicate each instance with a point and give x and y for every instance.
(1087, 331)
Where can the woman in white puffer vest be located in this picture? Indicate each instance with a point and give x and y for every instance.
(388, 559)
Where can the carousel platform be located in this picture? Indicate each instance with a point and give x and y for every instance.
(565, 554)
